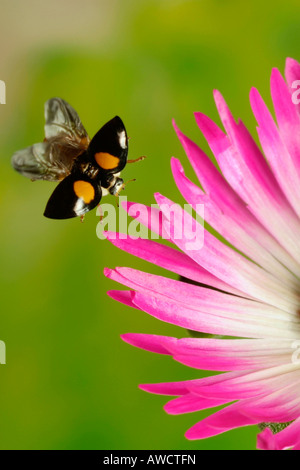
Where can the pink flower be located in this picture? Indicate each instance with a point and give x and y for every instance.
(251, 291)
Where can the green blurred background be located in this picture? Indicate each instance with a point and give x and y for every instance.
(70, 382)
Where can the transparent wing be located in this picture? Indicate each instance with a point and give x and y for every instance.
(65, 140)
(33, 162)
(62, 120)
(49, 160)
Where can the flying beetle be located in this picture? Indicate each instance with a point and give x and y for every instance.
(86, 169)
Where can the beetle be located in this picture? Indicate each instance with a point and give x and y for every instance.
(85, 169)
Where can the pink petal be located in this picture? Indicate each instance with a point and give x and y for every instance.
(256, 244)
(246, 154)
(220, 192)
(170, 259)
(123, 296)
(288, 120)
(285, 439)
(152, 343)
(266, 441)
(261, 194)
(181, 388)
(292, 73)
(225, 263)
(272, 408)
(229, 363)
(272, 144)
(198, 297)
(219, 354)
(211, 322)
(251, 384)
(228, 418)
(189, 403)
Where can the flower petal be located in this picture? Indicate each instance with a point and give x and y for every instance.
(253, 242)
(223, 262)
(292, 73)
(198, 297)
(261, 194)
(223, 323)
(276, 152)
(152, 343)
(169, 258)
(189, 403)
(274, 408)
(289, 437)
(125, 297)
(182, 388)
(225, 354)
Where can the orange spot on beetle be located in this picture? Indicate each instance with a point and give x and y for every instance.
(84, 190)
(106, 160)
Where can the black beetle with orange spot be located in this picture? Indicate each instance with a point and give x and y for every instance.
(87, 169)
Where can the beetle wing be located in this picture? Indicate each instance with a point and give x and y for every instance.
(65, 140)
(109, 147)
(62, 120)
(73, 197)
